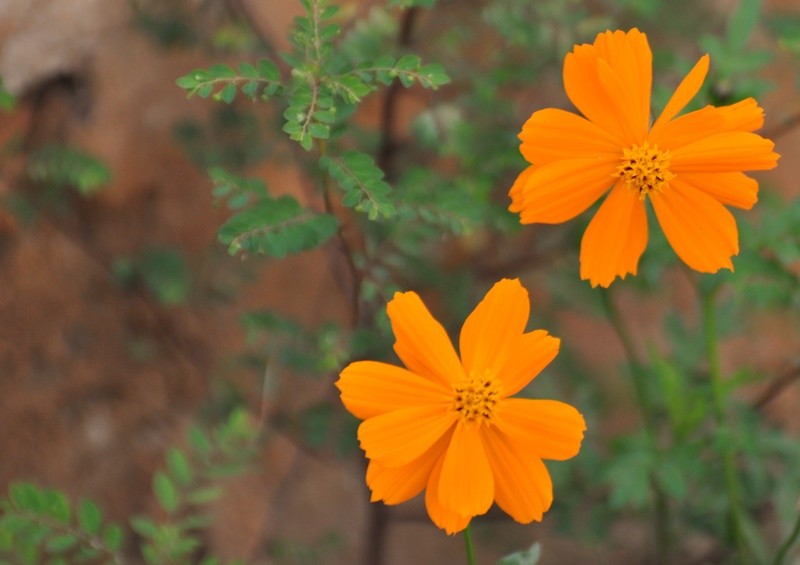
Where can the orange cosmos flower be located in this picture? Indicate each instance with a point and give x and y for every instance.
(449, 426)
(690, 166)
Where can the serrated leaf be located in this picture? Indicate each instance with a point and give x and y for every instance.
(89, 517)
(166, 493)
(276, 227)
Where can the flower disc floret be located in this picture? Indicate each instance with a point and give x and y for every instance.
(645, 169)
(475, 399)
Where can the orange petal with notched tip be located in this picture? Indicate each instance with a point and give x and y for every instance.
(450, 521)
(399, 437)
(523, 488)
(615, 238)
(490, 331)
(700, 230)
(731, 189)
(561, 190)
(547, 428)
(394, 485)
(466, 485)
(371, 388)
(530, 353)
(421, 342)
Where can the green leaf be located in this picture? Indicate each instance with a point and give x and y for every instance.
(199, 441)
(165, 491)
(742, 23)
(227, 94)
(144, 527)
(362, 182)
(7, 100)
(112, 536)
(25, 496)
(57, 505)
(61, 543)
(89, 517)
(530, 556)
(62, 166)
(166, 274)
(179, 466)
(276, 227)
(412, 3)
(204, 495)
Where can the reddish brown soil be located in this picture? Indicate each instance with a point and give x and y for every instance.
(97, 379)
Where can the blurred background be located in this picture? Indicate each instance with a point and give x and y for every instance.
(123, 322)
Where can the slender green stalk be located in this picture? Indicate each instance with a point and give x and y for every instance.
(468, 544)
(735, 506)
(787, 544)
(663, 536)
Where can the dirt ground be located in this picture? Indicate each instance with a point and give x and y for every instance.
(98, 378)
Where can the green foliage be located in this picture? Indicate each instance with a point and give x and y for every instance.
(530, 556)
(222, 82)
(412, 3)
(362, 182)
(7, 100)
(163, 272)
(276, 227)
(38, 525)
(60, 166)
(282, 339)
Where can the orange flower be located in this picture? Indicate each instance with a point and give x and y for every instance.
(448, 425)
(689, 166)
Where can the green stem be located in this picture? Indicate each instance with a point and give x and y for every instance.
(735, 507)
(788, 543)
(662, 529)
(468, 544)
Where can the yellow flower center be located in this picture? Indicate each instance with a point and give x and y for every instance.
(645, 169)
(476, 398)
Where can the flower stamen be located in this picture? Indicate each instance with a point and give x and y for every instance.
(475, 399)
(645, 169)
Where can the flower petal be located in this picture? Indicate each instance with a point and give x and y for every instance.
(686, 90)
(554, 135)
(559, 191)
(399, 437)
(493, 327)
(523, 488)
(466, 486)
(730, 189)
(688, 128)
(746, 115)
(547, 428)
(615, 238)
(725, 152)
(530, 353)
(394, 485)
(609, 82)
(420, 341)
(448, 520)
(700, 230)
(370, 388)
